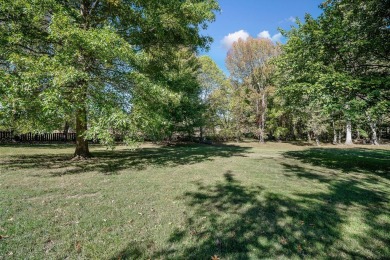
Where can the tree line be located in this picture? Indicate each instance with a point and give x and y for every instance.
(329, 82)
(131, 68)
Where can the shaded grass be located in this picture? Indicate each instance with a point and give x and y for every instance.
(111, 162)
(245, 201)
(347, 160)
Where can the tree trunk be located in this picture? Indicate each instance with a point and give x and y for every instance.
(358, 135)
(339, 137)
(348, 139)
(82, 150)
(308, 137)
(66, 130)
(238, 124)
(262, 119)
(374, 139)
(317, 140)
(334, 133)
(294, 130)
(238, 133)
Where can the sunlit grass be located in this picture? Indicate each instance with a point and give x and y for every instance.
(195, 201)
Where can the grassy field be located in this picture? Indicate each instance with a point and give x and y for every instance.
(237, 201)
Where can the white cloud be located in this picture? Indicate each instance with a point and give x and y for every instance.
(264, 34)
(267, 35)
(229, 39)
(292, 19)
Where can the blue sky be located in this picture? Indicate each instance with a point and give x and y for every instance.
(256, 18)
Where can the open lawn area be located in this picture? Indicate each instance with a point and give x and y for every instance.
(235, 201)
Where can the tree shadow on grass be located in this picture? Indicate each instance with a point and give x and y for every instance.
(111, 162)
(132, 251)
(366, 188)
(359, 160)
(235, 221)
(300, 143)
(296, 171)
(39, 145)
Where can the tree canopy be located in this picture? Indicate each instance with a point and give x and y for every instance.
(96, 61)
(338, 63)
(131, 68)
(249, 64)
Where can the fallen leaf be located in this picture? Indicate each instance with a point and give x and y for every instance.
(215, 257)
(48, 245)
(108, 229)
(78, 247)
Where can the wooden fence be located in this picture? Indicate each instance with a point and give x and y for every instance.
(31, 137)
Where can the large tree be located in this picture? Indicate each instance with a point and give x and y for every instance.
(355, 42)
(92, 59)
(249, 64)
(339, 62)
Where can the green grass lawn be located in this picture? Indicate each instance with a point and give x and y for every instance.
(237, 201)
